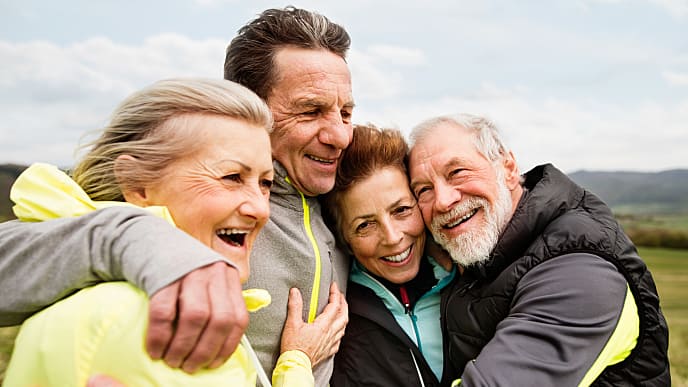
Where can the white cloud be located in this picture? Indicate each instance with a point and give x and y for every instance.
(571, 134)
(378, 71)
(674, 78)
(211, 3)
(677, 8)
(52, 94)
(395, 55)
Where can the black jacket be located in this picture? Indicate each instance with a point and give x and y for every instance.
(556, 218)
(375, 351)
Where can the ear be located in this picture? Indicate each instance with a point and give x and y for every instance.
(134, 196)
(512, 175)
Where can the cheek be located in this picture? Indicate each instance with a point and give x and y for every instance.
(363, 248)
(426, 214)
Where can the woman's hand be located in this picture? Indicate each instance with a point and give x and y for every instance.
(320, 339)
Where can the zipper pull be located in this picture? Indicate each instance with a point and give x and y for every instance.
(405, 299)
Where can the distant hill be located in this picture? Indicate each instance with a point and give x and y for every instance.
(663, 192)
(626, 192)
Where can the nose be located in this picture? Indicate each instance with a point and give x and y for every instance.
(445, 197)
(392, 235)
(255, 204)
(335, 131)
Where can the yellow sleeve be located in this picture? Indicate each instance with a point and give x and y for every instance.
(293, 369)
(101, 330)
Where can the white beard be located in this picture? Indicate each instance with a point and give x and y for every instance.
(475, 245)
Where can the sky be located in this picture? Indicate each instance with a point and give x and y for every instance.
(582, 84)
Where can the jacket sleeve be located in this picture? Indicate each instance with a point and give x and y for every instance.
(101, 330)
(563, 313)
(43, 262)
(293, 369)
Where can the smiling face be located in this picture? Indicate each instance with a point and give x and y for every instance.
(465, 199)
(219, 193)
(382, 225)
(311, 104)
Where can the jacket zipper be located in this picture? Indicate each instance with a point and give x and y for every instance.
(409, 311)
(315, 292)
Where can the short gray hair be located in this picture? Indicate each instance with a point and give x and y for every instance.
(486, 136)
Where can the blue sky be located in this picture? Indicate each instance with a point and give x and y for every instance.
(584, 84)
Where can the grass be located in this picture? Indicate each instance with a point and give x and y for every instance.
(670, 271)
(669, 268)
(672, 221)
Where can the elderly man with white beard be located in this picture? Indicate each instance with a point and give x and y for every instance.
(553, 293)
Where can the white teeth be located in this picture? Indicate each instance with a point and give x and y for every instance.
(320, 160)
(398, 257)
(230, 231)
(462, 219)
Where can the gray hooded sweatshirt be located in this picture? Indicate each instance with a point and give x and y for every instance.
(294, 249)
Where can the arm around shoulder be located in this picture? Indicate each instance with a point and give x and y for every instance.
(562, 315)
(42, 262)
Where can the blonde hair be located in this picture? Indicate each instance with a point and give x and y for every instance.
(148, 127)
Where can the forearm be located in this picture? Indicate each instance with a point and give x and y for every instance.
(293, 369)
(43, 262)
(563, 313)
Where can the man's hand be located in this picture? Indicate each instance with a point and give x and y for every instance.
(198, 320)
(321, 339)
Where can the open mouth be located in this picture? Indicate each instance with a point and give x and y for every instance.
(399, 257)
(232, 236)
(461, 220)
(318, 159)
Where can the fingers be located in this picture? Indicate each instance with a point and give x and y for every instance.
(228, 310)
(210, 316)
(334, 303)
(295, 307)
(237, 319)
(162, 311)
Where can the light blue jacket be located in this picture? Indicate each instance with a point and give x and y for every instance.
(422, 322)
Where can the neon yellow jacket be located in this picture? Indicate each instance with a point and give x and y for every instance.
(101, 329)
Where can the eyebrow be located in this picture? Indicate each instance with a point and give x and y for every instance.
(318, 102)
(391, 206)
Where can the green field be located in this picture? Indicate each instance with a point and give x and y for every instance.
(673, 221)
(670, 270)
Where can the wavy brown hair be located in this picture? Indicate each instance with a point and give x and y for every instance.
(371, 149)
(250, 56)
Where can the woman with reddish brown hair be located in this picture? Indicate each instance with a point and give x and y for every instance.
(394, 335)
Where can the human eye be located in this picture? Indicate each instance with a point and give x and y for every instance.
(346, 115)
(455, 172)
(420, 191)
(266, 184)
(363, 226)
(401, 210)
(232, 178)
(310, 112)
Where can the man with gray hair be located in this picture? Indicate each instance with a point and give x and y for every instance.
(552, 291)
